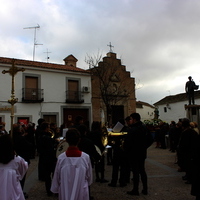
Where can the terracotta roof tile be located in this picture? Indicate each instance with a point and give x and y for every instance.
(4, 60)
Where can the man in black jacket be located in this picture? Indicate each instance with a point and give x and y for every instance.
(135, 144)
(189, 88)
(47, 155)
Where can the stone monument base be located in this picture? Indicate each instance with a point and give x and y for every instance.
(192, 113)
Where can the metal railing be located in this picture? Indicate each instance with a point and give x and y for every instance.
(74, 97)
(32, 95)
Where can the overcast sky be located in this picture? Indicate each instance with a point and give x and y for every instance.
(157, 40)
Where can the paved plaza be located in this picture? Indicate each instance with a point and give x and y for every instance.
(164, 181)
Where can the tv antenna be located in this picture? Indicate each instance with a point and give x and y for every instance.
(34, 41)
(47, 52)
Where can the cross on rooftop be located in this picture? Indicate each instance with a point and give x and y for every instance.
(109, 45)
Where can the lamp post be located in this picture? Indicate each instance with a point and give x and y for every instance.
(12, 71)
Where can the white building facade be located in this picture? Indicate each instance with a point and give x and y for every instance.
(175, 107)
(145, 110)
(57, 93)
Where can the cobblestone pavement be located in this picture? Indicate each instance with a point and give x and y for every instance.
(164, 181)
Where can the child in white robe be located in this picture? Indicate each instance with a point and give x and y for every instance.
(12, 170)
(73, 173)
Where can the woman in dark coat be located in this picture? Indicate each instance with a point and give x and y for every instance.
(195, 190)
(96, 136)
(47, 155)
(22, 147)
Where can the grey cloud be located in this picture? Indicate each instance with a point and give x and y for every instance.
(157, 40)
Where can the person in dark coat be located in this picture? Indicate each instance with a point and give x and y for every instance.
(120, 166)
(78, 122)
(135, 146)
(195, 162)
(47, 156)
(30, 137)
(163, 132)
(172, 133)
(184, 150)
(22, 148)
(2, 128)
(38, 133)
(86, 145)
(177, 134)
(96, 136)
(189, 88)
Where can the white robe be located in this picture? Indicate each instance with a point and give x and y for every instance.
(72, 177)
(10, 176)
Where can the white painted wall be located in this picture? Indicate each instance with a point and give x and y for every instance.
(54, 84)
(176, 111)
(146, 113)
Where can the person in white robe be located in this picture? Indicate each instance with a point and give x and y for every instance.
(12, 170)
(73, 172)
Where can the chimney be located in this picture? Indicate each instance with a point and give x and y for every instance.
(70, 61)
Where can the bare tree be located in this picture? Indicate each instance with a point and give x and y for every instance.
(112, 82)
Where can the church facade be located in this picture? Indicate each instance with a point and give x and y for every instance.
(113, 90)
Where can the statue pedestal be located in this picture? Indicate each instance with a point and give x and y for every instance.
(192, 113)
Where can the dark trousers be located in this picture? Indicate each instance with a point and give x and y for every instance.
(191, 97)
(100, 168)
(138, 168)
(41, 169)
(48, 167)
(109, 156)
(119, 165)
(195, 189)
(48, 174)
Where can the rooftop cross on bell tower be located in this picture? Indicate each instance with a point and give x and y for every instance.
(109, 45)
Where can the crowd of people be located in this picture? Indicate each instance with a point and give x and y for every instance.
(70, 174)
(183, 139)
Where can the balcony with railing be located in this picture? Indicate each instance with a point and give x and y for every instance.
(32, 95)
(74, 97)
